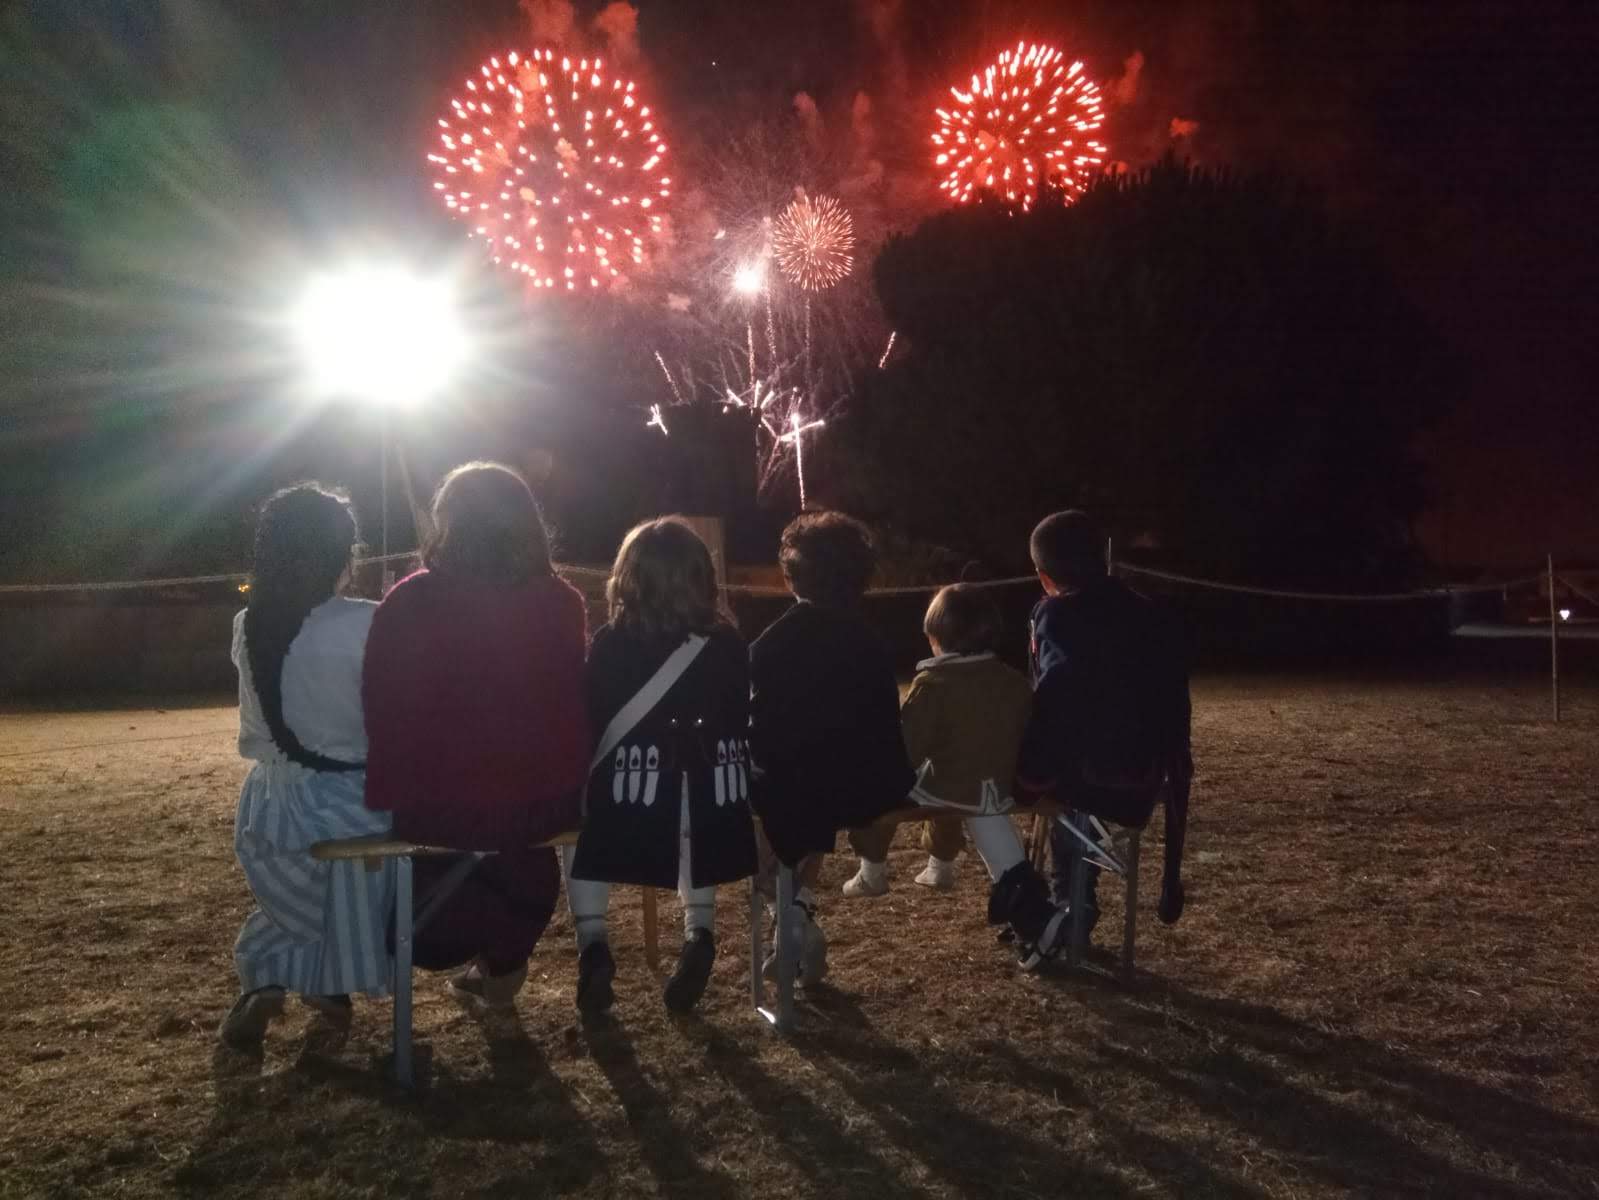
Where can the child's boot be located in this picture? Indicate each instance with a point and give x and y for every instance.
(687, 984)
(870, 880)
(938, 875)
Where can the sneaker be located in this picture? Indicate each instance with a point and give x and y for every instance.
(595, 971)
(1032, 955)
(246, 1023)
(938, 875)
(687, 984)
(813, 952)
(867, 881)
(494, 991)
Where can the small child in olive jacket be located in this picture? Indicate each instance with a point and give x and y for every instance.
(962, 722)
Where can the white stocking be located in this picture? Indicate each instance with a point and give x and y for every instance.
(998, 844)
(699, 904)
(589, 900)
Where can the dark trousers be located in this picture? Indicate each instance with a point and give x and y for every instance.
(1061, 844)
(499, 911)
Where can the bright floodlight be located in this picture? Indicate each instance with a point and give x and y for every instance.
(380, 333)
(1565, 614)
(749, 279)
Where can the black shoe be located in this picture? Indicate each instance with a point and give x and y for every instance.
(687, 984)
(595, 971)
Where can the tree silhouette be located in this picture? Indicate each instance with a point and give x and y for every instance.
(1205, 358)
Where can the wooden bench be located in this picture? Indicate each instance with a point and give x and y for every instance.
(407, 922)
(781, 1017)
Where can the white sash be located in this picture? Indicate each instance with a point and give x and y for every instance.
(647, 697)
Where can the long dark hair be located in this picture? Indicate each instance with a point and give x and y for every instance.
(303, 543)
(663, 583)
(487, 526)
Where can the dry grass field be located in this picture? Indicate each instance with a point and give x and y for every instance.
(1387, 984)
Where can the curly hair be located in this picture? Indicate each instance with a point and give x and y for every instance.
(487, 526)
(964, 619)
(663, 583)
(827, 557)
(303, 542)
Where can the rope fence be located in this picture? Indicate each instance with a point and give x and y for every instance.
(750, 589)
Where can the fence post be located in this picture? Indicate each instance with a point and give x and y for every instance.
(1554, 643)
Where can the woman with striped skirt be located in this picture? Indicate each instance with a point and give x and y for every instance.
(319, 930)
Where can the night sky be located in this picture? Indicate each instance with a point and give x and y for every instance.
(1460, 136)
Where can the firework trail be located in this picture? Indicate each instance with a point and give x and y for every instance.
(556, 167)
(672, 383)
(888, 349)
(813, 241)
(798, 427)
(1024, 123)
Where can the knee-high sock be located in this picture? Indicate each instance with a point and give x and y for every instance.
(997, 842)
(699, 904)
(589, 900)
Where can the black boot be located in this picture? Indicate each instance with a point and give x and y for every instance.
(1020, 899)
(687, 984)
(595, 970)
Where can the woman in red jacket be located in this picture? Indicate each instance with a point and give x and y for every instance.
(476, 725)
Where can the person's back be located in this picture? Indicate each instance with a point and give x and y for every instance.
(468, 749)
(824, 727)
(1111, 700)
(978, 707)
(473, 688)
(321, 685)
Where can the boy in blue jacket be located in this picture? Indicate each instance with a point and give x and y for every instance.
(1109, 729)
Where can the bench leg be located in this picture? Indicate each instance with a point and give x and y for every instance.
(1130, 922)
(402, 971)
(652, 944)
(1079, 897)
(787, 951)
(757, 950)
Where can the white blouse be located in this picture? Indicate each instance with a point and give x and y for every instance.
(321, 684)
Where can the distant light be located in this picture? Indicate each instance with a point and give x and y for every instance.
(381, 333)
(749, 279)
(1565, 614)
(244, 587)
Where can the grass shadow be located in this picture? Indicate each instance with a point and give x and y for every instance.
(289, 1128)
(665, 1145)
(1284, 1081)
(822, 1146)
(971, 1154)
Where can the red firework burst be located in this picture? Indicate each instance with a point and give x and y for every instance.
(559, 169)
(1023, 123)
(813, 240)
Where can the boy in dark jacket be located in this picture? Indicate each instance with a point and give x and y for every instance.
(824, 713)
(1109, 730)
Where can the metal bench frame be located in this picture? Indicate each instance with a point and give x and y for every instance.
(781, 1016)
(407, 922)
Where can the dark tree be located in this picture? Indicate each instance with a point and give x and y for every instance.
(1206, 359)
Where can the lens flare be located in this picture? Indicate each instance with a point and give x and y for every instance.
(557, 167)
(1023, 124)
(813, 242)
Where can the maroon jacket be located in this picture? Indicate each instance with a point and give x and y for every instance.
(477, 730)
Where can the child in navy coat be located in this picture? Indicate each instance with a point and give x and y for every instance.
(824, 713)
